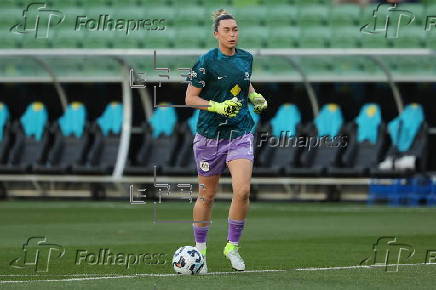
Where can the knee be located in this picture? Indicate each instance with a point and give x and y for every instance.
(242, 193)
(206, 198)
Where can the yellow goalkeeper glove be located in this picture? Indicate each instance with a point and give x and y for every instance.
(228, 108)
(258, 101)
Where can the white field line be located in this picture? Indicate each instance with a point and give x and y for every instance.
(87, 277)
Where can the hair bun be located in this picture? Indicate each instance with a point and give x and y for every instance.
(218, 13)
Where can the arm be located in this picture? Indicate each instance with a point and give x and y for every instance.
(228, 108)
(251, 89)
(257, 100)
(193, 98)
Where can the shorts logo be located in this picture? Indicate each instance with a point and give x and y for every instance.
(204, 166)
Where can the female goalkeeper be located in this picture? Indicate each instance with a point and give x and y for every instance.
(219, 85)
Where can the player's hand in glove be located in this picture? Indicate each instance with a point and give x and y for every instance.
(258, 101)
(228, 108)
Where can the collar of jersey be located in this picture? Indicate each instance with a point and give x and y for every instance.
(224, 56)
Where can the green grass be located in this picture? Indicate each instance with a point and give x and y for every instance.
(278, 236)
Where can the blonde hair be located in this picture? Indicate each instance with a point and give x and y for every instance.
(219, 15)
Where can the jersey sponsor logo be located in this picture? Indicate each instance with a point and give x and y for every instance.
(204, 166)
(235, 90)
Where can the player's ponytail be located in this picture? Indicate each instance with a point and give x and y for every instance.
(219, 15)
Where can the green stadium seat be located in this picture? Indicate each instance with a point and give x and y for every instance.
(189, 37)
(9, 40)
(345, 37)
(281, 15)
(29, 41)
(8, 4)
(349, 65)
(417, 9)
(134, 39)
(273, 65)
(211, 6)
(411, 36)
(406, 65)
(68, 39)
(71, 15)
(98, 39)
(252, 37)
(252, 15)
(209, 41)
(277, 2)
(68, 4)
(20, 66)
(283, 37)
(192, 15)
(431, 40)
(374, 41)
(314, 2)
(319, 65)
(344, 14)
(127, 13)
(161, 12)
(10, 17)
(312, 14)
(314, 37)
(160, 39)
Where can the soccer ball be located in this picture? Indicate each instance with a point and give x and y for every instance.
(188, 260)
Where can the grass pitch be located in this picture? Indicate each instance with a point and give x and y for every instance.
(285, 246)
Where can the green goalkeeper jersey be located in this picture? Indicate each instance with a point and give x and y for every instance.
(221, 78)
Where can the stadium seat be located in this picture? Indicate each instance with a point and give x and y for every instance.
(8, 40)
(184, 163)
(345, 37)
(278, 151)
(64, 38)
(160, 39)
(103, 152)
(100, 39)
(316, 65)
(312, 14)
(5, 134)
(411, 36)
(71, 140)
(408, 151)
(283, 37)
(250, 16)
(345, 15)
(190, 37)
(252, 37)
(314, 37)
(366, 140)
(190, 16)
(158, 145)
(327, 131)
(31, 140)
(281, 15)
(161, 12)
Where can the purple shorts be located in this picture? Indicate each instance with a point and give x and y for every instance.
(211, 155)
